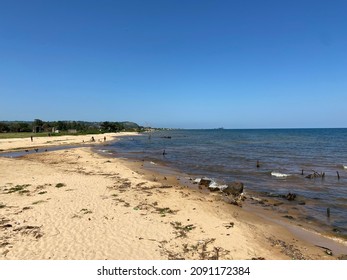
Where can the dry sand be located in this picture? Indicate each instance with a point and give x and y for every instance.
(75, 204)
(26, 143)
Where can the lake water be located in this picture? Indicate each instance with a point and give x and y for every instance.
(232, 155)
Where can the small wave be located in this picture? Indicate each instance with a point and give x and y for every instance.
(214, 186)
(198, 180)
(345, 167)
(279, 175)
(151, 162)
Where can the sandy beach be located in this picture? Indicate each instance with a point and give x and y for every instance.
(40, 142)
(76, 204)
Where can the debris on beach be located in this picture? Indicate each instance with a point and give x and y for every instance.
(202, 249)
(342, 257)
(258, 259)
(229, 225)
(232, 192)
(328, 251)
(290, 196)
(288, 249)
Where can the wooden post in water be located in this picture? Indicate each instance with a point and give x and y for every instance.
(338, 175)
(328, 212)
(302, 171)
(258, 164)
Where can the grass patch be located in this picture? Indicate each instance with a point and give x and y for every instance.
(22, 135)
(165, 210)
(60, 185)
(181, 230)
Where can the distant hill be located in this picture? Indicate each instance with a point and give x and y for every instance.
(130, 125)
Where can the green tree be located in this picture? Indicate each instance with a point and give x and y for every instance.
(4, 127)
(38, 122)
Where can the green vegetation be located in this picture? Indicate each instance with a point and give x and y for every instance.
(39, 128)
(60, 185)
(164, 211)
(20, 135)
(181, 230)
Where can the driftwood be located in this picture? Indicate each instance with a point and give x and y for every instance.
(315, 175)
(326, 250)
(290, 196)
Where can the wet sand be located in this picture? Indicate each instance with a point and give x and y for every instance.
(76, 204)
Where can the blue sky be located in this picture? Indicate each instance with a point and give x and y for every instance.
(180, 64)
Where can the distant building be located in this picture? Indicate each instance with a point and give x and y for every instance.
(72, 130)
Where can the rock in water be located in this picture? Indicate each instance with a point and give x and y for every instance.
(235, 188)
(205, 182)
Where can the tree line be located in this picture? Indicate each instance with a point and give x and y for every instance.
(57, 126)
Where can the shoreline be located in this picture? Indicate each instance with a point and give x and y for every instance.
(309, 233)
(78, 204)
(21, 144)
(255, 201)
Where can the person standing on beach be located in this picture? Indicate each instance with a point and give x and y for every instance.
(32, 138)
(104, 138)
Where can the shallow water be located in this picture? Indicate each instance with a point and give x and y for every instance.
(232, 155)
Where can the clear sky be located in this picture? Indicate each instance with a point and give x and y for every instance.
(175, 63)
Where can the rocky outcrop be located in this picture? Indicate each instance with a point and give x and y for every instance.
(234, 193)
(235, 188)
(205, 182)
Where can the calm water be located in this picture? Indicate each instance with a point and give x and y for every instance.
(231, 155)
